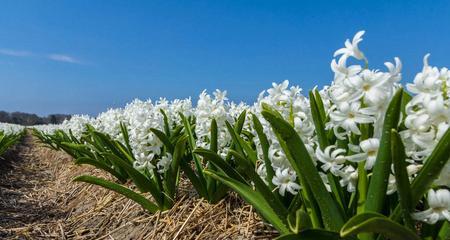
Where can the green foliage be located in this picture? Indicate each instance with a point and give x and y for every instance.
(302, 163)
(116, 157)
(138, 198)
(8, 140)
(376, 192)
(377, 223)
(315, 212)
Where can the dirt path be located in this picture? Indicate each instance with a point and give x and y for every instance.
(25, 205)
(38, 200)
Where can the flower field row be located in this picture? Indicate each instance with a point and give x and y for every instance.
(10, 134)
(359, 158)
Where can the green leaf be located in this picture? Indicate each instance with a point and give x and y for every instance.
(194, 179)
(236, 142)
(164, 138)
(319, 122)
(213, 143)
(240, 121)
(362, 187)
(141, 200)
(299, 221)
(126, 137)
(166, 123)
(211, 184)
(304, 166)
(432, 167)
(192, 145)
(267, 108)
(444, 232)
(310, 202)
(170, 176)
(265, 148)
(124, 152)
(242, 146)
(140, 180)
(178, 153)
(219, 192)
(271, 197)
(318, 116)
(429, 172)
(177, 131)
(80, 148)
(311, 234)
(102, 166)
(220, 163)
(319, 104)
(104, 143)
(401, 177)
(254, 198)
(376, 192)
(376, 223)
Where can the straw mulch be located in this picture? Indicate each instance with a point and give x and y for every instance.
(38, 200)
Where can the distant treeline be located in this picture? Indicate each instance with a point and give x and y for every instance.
(28, 119)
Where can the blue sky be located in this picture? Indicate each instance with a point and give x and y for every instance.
(86, 56)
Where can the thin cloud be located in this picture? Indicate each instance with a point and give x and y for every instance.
(52, 56)
(63, 58)
(15, 53)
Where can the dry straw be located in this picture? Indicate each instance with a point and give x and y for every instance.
(38, 200)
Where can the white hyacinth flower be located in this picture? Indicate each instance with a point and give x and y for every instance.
(349, 178)
(333, 159)
(370, 149)
(343, 72)
(285, 181)
(348, 115)
(439, 203)
(372, 87)
(164, 163)
(351, 48)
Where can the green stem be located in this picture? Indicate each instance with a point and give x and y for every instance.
(362, 188)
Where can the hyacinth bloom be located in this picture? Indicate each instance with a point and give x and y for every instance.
(357, 96)
(369, 154)
(285, 181)
(332, 159)
(351, 48)
(349, 178)
(9, 128)
(352, 110)
(349, 115)
(343, 72)
(439, 207)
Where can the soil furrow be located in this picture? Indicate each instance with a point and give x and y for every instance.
(38, 200)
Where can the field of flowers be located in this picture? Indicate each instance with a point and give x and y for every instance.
(10, 134)
(362, 158)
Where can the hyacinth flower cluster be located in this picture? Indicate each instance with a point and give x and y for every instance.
(292, 105)
(361, 155)
(9, 128)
